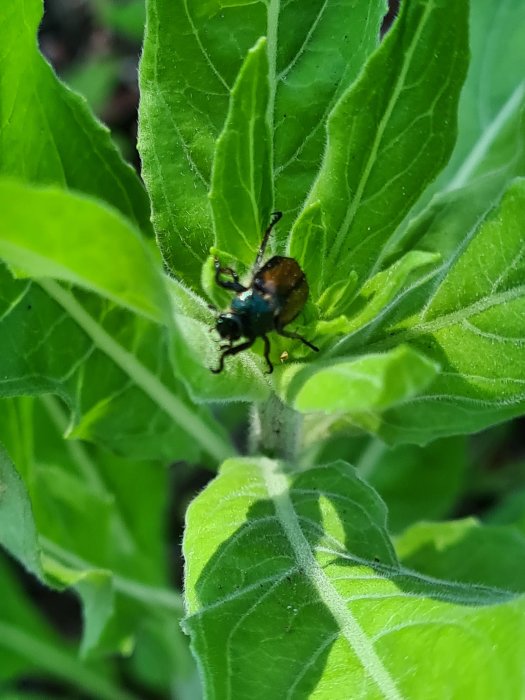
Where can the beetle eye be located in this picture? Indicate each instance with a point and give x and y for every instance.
(228, 327)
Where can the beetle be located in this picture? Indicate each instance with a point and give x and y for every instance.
(274, 298)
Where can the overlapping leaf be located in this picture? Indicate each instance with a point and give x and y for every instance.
(386, 139)
(46, 232)
(192, 55)
(416, 483)
(75, 519)
(47, 133)
(49, 348)
(469, 318)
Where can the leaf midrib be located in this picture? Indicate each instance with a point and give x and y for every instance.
(278, 490)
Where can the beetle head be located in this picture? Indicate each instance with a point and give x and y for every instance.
(229, 326)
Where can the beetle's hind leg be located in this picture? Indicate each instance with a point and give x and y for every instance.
(292, 334)
(234, 286)
(232, 351)
(267, 353)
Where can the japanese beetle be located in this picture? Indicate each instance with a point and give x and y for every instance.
(276, 294)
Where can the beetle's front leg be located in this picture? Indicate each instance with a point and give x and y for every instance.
(235, 285)
(232, 351)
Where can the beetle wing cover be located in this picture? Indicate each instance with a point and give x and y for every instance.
(283, 279)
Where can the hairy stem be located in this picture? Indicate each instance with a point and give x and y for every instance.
(275, 429)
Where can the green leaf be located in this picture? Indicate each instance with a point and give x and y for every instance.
(241, 184)
(52, 233)
(191, 59)
(47, 133)
(29, 648)
(492, 103)
(135, 407)
(468, 551)
(321, 49)
(379, 159)
(469, 319)
(94, 533)
(300, 566)
(367, 384)
(490, 149)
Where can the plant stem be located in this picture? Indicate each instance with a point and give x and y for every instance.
(275, 429)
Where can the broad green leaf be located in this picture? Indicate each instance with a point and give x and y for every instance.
(300, 566)
(241, 184)
(367, 384)
(416, 483)
(47, 133)
(470, 319)
(386, 139)
(56, 341)
(52, 233)
(192, 55)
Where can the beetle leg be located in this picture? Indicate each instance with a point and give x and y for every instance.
(267, 353)
(275, 216)
(292, 334)
(235, 286)
(232, 351)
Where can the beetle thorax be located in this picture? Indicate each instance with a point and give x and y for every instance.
(255, 311)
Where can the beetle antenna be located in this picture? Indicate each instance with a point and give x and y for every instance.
(275, 217)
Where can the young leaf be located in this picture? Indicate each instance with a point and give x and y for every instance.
(241, 185)
(367, 384)
(300, 566)
(52, 233)
(384, 142)
(47, 133)
(192, 56)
